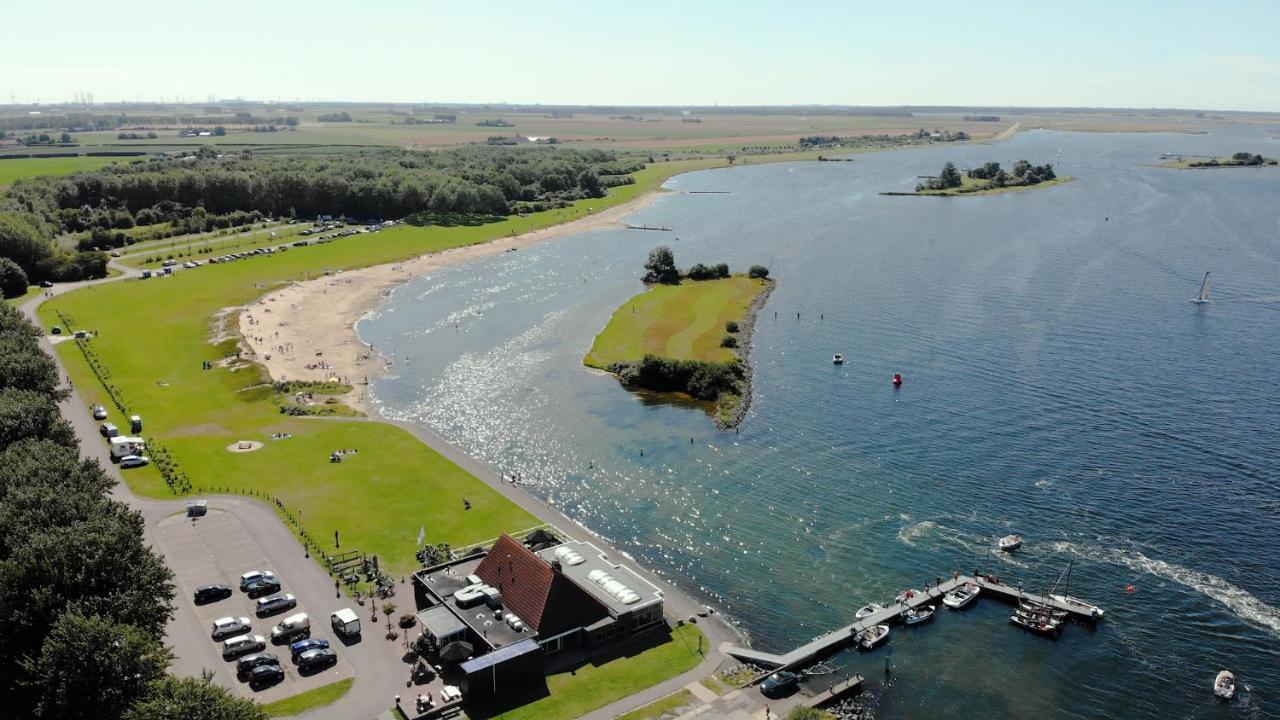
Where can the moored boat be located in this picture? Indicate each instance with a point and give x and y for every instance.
(1224, 686)
(868, 609)
(1009, 543)
(837, 359)
(961, 596)
(871, 637)
(1092, 610)
(1036, 622)
(915, 616)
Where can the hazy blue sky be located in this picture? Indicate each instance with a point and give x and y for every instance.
(1220, 54)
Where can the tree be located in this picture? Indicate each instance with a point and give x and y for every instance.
(13, 279)
(88, 657)
(661, 267)
(701, 272)
(722, 270)
(26, 413)
(589, 182)
(24, 243)
(758, 271)
(950, 177)
(66, 138)
(193, 699)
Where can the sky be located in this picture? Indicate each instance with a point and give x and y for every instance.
(1219, 54)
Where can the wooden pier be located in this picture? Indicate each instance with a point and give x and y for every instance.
(836, 640)
(659, 228)
(835, 692)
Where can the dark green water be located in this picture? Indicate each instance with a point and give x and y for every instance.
(1058, 384)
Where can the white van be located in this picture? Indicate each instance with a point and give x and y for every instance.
(345, 622)
(294, 627)
(236, 646)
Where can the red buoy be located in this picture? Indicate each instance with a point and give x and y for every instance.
(897, 380)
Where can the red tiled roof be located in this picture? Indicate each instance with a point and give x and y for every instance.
(544, 599)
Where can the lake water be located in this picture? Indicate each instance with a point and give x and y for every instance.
(1058, 383)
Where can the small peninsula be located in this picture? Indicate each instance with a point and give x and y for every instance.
(1197, 162)
(987, 179)
(687, 334)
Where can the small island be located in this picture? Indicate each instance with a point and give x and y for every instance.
(1196, 162)
(987, 179)
(687, 334)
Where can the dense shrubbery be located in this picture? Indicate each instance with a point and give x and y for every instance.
(758, 271)
(207, 190)
(702, 380)
(85, 601)
(13, 279)
(1240, 159)
(32, 250)
(1023, 173)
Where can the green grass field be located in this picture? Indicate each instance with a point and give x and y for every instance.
(680, 322)
(593, 686)
(11, 170)
(154, 335)
(324, 695)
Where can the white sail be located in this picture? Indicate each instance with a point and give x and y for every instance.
(1203, 295)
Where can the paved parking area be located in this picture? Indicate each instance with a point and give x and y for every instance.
(218, 548)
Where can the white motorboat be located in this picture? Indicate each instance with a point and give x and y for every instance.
(1009, 543)
(1224, 686)
(1084, 605)
(961, 596)
(915, 616)
(1202, 297)
(868, 609)
(872, 636)
(837, 359)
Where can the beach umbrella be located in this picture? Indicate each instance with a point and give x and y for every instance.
(456, 652)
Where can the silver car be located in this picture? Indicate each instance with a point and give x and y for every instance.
(223, 627)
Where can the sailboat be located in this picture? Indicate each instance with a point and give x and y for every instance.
(1066, 598)
(1202, 297)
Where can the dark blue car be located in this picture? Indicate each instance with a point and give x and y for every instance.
(309, 644)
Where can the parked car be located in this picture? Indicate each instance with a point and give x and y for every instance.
(243, 644)
(223, 627)
(46, 284)
(249, 662)
(262, 586)
(276, 603)
(318, 658)
(266, 675)
(252, 575)
(132, 461)
(780, 683)
(212, 593)
(109, 430)
(99, 412)
(302, 646)
(291, 629)
(56, 330)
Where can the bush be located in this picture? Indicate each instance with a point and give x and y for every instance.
(728, 341)
(701, 272)
(722, 270)
(758, 271)
(702, 380)
(661, 267)
(13, 279)
(407, 620)
(731, 326)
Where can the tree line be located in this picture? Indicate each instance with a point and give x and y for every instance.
(1022, 173)
(85, 600)
(28, 255)
(661, 268)
(387, 184)
(86, 121)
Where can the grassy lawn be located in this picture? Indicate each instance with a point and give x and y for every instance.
(969, 182)
(594, 686)
(154, 335)
(310, 699)
(660, 708)
(32, 291)
(11, 170)
(680, 322)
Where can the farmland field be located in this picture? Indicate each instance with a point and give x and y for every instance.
(11, 170)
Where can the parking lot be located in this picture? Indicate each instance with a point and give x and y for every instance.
(217, 549)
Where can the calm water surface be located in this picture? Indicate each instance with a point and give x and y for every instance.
(1058, 384)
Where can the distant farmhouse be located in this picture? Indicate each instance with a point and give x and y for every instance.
(519, 602)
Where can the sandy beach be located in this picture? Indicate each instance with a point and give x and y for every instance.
(306, 330)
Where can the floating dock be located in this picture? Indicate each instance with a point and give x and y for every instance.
(835, 640)
(659, 228)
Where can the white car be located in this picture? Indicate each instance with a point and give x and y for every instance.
(252, 575)
(222, 627)
(243, 644)
(132, 461)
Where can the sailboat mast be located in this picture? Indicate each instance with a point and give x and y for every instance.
(1204, 288)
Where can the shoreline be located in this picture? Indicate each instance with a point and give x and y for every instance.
(746, 335)
(301, 331)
